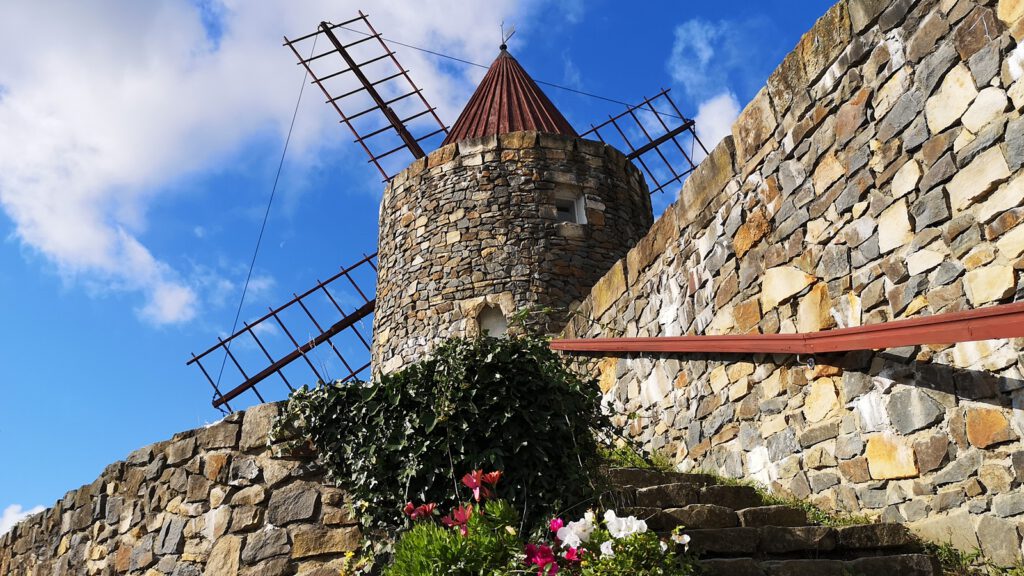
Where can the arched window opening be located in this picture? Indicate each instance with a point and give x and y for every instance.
(492, 322)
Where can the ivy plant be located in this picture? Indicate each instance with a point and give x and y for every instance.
(507, 404)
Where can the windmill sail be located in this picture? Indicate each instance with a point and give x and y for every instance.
(371, 91)
(657, 137)
(287, 343)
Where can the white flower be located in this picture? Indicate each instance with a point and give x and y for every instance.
(606, 549)
(576, 533)
(623, 527)
(664, 547)
(683, 539)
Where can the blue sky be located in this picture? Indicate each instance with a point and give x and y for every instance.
(139, 144)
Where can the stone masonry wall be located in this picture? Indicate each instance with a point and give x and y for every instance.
(214, 501)
(474, 224)
(877, 176)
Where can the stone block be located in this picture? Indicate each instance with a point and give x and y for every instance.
(256, 424)
(890, 457)
(295, 502)
(911, 409)
(990, 283)
(754, 125)
(988, 426)
(224, 557)
(609, 288)
(894, 228)
(983, 174)
(952, 99)
(316, 541)
(781, 283)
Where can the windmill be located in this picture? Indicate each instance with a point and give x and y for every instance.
(322, 333)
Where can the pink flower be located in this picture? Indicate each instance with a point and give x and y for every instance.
(474, 481)
(419, 512)
(542, 557)
(491, 478)
(409, 509)
(574, 554)
(555, 524)
(459, 517)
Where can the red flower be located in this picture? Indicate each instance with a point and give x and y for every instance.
(419, 512)
(491, 478)
(542, 557)
(474, 481)
(459, 517)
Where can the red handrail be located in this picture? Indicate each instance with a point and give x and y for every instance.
(1001, 321)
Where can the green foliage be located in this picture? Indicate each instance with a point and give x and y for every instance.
(953, 561)
(624, 455)
(497, 404)
(490, 547)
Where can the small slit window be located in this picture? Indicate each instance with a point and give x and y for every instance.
(569, 207)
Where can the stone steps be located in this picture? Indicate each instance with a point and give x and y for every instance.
(736, 533)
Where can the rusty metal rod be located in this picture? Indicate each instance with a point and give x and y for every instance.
(349, 320)
(1002, 321)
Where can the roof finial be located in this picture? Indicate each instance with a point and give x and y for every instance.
(505, 37)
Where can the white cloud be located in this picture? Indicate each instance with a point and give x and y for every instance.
(14, 514)
(124, 98)
(708, 58)
(714, 119)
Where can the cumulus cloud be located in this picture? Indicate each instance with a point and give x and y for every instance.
(124, 98)
(14, 514)
(715, 117)
(710, 57)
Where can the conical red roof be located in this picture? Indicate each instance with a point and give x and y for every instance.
(507, 100)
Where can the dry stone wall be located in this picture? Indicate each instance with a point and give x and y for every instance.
(214, 501)
(474, 224)
(877, 176)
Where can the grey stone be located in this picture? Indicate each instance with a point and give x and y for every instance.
(959, 469)
(999, 540)
(894, 14)
(782, 444)
(786, 228)
(916, 135)
(243, 472)
(873, 536)
(942, 170)
(1009, 504)
(186, 569)
(1015, 144)
(696, 516)
(850, 196)
(903, 112)
(835, 262)
(983, 141)
(849, 446)
(934, 66)
(984, 64)
(142, 554)
(783, 540)
(898, 565)
(171, 540)
(822, 480)
(154, 468)
(915, 510)
(180, 450)
(947, 272)
(266, 543)
(872, 498)
(901, 295)
(819, 433)
(912, 409)
(1017, 459)
(292, 503)
(855, 384)
(947, 499)
(772, 516)
(864, 12)
(791, 175)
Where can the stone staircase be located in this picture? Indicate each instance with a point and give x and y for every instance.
(736, 534)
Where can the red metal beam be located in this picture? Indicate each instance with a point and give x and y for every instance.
(1002, 321)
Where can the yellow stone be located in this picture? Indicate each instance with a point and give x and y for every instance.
(780, 283)
(750, 232)
(224, 557)
(821, 400)
(828, 171)
(951, 101)
(608, 289)
(739, 390)
(990, 283)
(981, 175)
(774, 385)
(1011, 244)
(988, 426)
(894, 227)
(915, 305)
(890, 457)
(606, 369)
(739, 370)
(814, 312)
(315, 541)
(719, 379)
(1009, 11)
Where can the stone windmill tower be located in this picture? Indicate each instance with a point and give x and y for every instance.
(513, 211)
